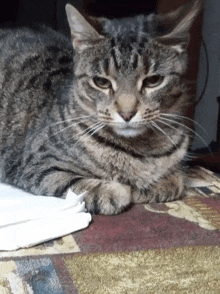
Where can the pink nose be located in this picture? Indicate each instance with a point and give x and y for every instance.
(127, 115)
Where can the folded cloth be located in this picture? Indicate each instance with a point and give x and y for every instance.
(27, 220)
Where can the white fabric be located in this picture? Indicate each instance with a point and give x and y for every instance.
(27, 220)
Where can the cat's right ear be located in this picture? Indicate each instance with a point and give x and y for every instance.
(82, 33)
(178, 24)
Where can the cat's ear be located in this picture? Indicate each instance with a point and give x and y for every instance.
(177, 25)
(82, 33)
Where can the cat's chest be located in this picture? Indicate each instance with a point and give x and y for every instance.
(125, 167)
(138, 171)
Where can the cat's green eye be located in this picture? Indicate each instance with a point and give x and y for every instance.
(102, 83)
(153, 81)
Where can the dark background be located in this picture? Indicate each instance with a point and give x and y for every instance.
(52, 13)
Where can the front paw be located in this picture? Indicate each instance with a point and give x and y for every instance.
(104, 197)
(170, 188)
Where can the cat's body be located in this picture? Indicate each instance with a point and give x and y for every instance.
(101, 124)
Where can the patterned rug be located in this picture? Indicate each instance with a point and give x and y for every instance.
(157, 248)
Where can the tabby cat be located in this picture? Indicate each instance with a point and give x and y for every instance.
(104, 113)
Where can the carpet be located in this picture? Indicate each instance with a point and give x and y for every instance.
(154, 248)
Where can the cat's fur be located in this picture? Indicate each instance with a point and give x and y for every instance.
(119, 139)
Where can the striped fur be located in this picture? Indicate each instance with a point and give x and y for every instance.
(111, 121)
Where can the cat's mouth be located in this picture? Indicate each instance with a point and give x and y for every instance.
(128, 130)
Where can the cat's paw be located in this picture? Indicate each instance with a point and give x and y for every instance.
(167, 189)
(104, 197)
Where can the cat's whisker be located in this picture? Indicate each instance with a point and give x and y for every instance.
(187, 158)
(175, 130)
(98, 129)
(94, 129)
(71, 119)
(105, 118)
(190, 156)
(171, 115)
(85, 132)
(191, 130)
(90, 128)
(169, 125)
(162, 131)
(70, 126)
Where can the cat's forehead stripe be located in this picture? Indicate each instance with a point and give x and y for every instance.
(115, 58)
(134, 60)
(106, 66)
(122, 54)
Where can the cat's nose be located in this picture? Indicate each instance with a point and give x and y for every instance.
(127, 115)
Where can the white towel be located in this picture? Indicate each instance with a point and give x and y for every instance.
(27, 220)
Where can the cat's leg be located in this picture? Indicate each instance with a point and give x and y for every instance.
(101, 197)
(170, 188)
(104, 197)
(55, 178)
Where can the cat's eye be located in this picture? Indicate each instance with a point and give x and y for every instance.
(152, 81)
(102, 83)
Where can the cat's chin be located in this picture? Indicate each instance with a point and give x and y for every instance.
(128, 132)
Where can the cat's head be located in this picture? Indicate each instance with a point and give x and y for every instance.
(129, 71)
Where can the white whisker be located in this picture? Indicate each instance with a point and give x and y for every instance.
(70, 126)
(166, 124)
(162, 131)
(190, 156)
(191, 130)
(84, 133)
(98, 129)
(71, 119)
(184, 117)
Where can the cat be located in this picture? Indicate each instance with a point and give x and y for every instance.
(105, 112)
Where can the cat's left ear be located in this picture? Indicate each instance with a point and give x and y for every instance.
(177, 25)
(82, 33)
